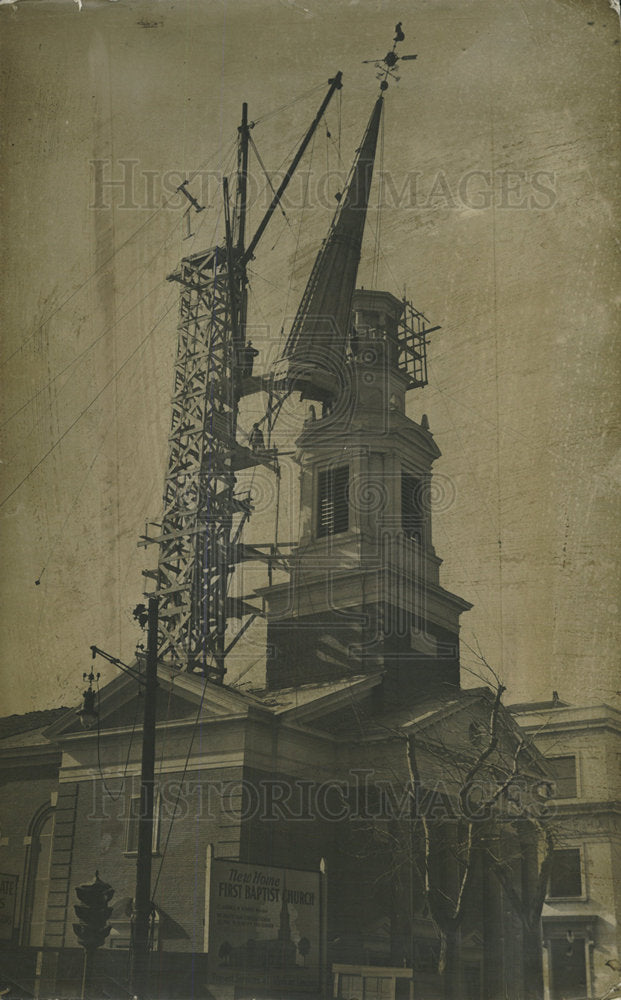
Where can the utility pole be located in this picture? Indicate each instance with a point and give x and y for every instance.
(142, 903)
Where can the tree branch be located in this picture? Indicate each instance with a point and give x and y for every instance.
(492, 743)
(415, 786)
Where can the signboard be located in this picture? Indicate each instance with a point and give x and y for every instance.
(264, 925)
(8, 897)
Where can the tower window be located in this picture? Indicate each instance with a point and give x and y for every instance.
(332, 503)
(412, 519)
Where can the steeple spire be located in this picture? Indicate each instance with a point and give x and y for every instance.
(314, 354)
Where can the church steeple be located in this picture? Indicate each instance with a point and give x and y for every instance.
(314, 354)
(365, 593)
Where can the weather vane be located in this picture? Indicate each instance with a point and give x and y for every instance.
(390, 60)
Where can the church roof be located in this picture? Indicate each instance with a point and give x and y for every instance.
(306, 699)
(27, 728)
(366, 722)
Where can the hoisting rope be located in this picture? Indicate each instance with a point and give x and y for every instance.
(268, 179)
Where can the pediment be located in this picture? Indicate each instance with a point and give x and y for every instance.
(462, 719)
(458, 721)
(459, 731)
(180, 698)
(170, 708)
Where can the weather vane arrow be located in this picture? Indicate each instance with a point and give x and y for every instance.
(387, 64)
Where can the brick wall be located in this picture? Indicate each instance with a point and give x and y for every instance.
(24, 794)
(190, 818)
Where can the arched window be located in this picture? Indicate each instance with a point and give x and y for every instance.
(37, 877)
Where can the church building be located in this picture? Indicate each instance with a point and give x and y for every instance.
(361, 789)
(356, 824)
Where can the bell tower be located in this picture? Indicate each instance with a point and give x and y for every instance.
(364, 592)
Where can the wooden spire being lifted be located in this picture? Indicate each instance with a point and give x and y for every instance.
(314, 355)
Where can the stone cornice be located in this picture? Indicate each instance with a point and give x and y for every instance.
(570, 719)
(29, 757)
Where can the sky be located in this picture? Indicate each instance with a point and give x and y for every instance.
(497, 215)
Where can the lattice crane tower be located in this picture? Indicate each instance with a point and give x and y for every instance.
(198, 544)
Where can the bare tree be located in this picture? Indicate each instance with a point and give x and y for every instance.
(445, 908)
(496, 830)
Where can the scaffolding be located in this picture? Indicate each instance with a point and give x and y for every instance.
(412, 339)
(200, 500)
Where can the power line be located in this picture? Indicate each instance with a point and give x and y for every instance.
(179, 789)
(72, 505)
(79, 356)
(80, 287)
(142, 226)
(115, 796)
(86, 408)
(107, 260)
(107, 329)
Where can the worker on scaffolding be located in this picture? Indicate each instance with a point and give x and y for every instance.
(256, 439)
(354, 341)
(247, 354)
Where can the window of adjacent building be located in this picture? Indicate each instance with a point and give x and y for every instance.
(38, 879)
(378, 988)
(412, 520)
(350, 987)
(332, 501)
(566, 873)
(133, 823)
(402, 989)
(563, 770)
